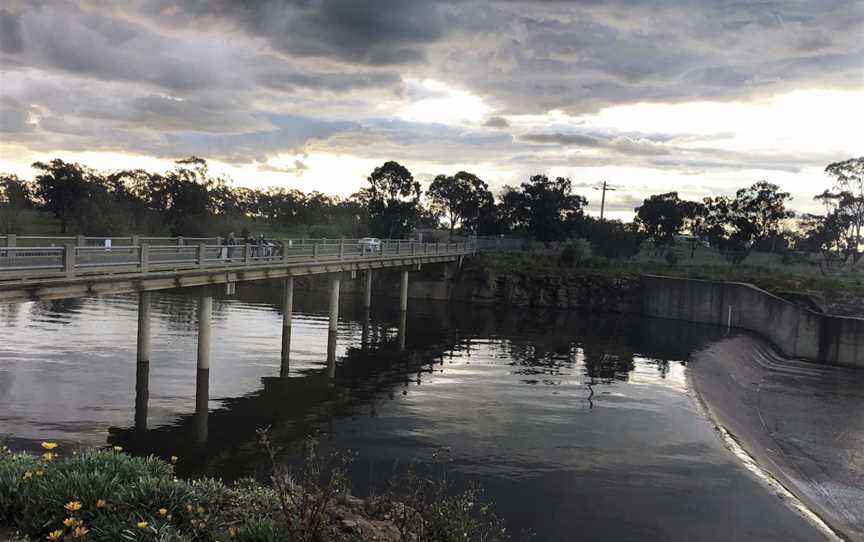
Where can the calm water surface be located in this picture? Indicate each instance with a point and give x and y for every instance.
(579, 426)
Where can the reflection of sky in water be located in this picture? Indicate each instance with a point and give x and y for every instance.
(571, 422)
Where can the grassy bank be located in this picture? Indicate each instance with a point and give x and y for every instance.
(841, 292)
(106, 495)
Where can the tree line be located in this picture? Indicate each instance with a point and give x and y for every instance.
(188, 200)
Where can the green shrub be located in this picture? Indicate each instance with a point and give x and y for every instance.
(110, 496)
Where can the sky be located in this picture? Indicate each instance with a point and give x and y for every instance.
(698, 96)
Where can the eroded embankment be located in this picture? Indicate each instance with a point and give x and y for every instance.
(802, 422)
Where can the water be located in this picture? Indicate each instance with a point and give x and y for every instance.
(579, 426)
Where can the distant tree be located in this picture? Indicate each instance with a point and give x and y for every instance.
(392, 200)
(63, 188)
(188, 195)
(612, 238)
(755, 214)
(14, 199)
(661, 217)
(548, 208)
(848, 200)
(459, 197)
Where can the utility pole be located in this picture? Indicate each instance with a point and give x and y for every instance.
(603, 197)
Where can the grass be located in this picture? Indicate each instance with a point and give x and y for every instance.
(768, 278)
(107, 495)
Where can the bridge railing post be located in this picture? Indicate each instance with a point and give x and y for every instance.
(69, 260)
(247, 254)
(398, 247)
(143, 256)
(315, 252)
(11, 240)
(341, 249)
(285, 246)
(202, 255)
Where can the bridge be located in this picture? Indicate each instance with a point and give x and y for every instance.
(34, 268)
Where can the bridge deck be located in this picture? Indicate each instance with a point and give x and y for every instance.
(28, 272)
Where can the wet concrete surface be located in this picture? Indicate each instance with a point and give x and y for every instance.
(802, 422)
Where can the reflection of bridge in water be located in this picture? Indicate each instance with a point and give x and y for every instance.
(41, 268)
(224, 441)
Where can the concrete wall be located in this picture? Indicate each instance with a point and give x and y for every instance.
(842, 340)
(794, 330)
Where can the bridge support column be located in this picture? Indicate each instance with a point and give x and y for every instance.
(142, 395)
(331, 355)
(403, 329)
(332, 328)
(364, 337)
(287, 313)
(334, 304)
(202, 399)
(202, 381)
(205, 310)
(143, 328)
(367, 290)
(403, 292)
(142, 365)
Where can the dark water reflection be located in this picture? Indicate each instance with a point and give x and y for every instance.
(578, 425)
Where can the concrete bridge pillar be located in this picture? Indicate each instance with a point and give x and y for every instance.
(142, 395)
(331, 355)
(202, 380)
(143, 328)
(403, 292)
(364, 337)
(202, 399)
(287, 313)
(367, 290)
(205, 310)
(334, 305)
(142, 365)
(403, 329)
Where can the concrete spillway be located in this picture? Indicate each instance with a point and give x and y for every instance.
(803, 423)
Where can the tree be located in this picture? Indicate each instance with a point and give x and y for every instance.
(661, 216)
(548, 208)
(848, 200)
(63, 188)
(14, 198)
(460, 198)
(392, 200)
(755, 214)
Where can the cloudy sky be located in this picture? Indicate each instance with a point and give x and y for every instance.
(699, 96)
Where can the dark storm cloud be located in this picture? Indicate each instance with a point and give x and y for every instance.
(496, 122)
(386, 32)
(10, 32)
(244, 80)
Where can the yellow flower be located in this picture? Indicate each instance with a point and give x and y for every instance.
(100, 503)
(49, 445)
(200, 509)
(28, 475)
(72, 506)
(55, 535)
(48, 456)
(118, 448)
(81, 531)
(188, 507)
(174, 459)
(142, 524)
(40, 472)
(163, 512)
(70, 522)
(232, 532)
